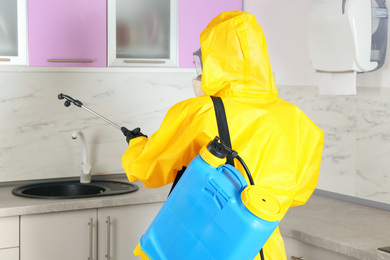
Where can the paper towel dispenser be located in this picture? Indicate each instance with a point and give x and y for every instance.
(347, 35)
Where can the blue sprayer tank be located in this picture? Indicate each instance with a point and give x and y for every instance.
(212, 213)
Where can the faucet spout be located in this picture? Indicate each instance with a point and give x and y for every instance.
(85, 176)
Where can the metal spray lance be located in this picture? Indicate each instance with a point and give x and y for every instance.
(69, 100)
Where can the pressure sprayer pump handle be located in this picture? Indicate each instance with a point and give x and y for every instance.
(220, 150)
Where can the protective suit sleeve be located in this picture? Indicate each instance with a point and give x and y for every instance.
(155, 161)
(310, 148)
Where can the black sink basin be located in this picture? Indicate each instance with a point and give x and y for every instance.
(73, 189)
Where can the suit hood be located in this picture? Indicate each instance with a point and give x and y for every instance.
(235, 58)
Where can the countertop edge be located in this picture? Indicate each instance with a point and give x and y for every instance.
(12, 205)
(346, 228)
(333, 246)
(323, 222)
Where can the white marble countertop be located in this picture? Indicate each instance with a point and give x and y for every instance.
(346, 228)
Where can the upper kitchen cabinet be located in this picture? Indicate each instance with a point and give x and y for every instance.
(194, 16)
(67, 33)
(142, 33)
(13, 32)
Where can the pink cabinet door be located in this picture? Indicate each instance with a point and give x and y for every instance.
(67, 33)
(193, 18)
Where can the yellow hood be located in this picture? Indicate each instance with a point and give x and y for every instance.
(237, 63)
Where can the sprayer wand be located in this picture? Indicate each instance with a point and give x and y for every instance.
(69, 100)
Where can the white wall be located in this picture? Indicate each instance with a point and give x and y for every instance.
(284, 25)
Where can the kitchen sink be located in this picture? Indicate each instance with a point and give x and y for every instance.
(74, 189)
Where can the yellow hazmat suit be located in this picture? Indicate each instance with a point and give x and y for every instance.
(280, 144)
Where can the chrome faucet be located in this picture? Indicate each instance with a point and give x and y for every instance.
(85, 176)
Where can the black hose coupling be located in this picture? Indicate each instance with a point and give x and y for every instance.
(216, 148)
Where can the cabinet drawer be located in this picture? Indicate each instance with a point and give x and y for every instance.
(9, 254)
(9, 235)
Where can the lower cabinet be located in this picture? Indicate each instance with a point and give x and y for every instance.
(65, 235)
(9, 238)
(95, 234)
(9, 254)
(297, 250)
(123, 228)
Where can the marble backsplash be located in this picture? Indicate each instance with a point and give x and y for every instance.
(35, 127)
(356, 155)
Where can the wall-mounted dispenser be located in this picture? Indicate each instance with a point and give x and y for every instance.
(347, 35)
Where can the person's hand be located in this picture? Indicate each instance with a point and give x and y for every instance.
(136, 132)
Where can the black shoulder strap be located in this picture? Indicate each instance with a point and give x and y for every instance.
(223, 131)
(223, 134)
(223, 128)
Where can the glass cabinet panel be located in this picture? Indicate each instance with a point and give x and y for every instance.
(8, 28)
(13, 25)
(143, 29)
(142, 32)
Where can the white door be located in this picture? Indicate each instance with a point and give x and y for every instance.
(60, 236)
(120, 229)
(9, 238)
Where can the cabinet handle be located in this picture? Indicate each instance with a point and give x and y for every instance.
(90, 238)
(5, 59)
(108, 221)
(297, 258)
(74, 61)
(145, 61)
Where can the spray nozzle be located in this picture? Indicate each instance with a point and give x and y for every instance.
(70, 100)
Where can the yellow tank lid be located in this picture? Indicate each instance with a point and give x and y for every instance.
(210, 158)
(261, 203)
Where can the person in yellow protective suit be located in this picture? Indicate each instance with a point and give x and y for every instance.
(281, 146)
